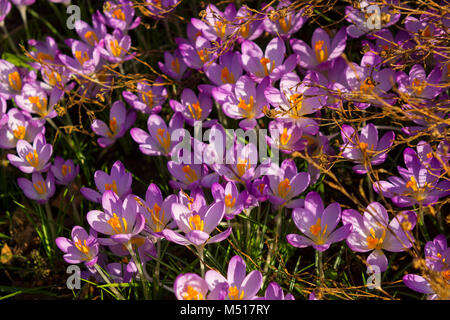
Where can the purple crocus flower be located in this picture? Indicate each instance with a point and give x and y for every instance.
(322, 51)
(285, 136)
(38, 189)
(3, 115)
(160, 8)
(190, 286)
(270, 63)
(120, 220)
(86, 59)
(216, 25)
(244, 101)
(317, 224)
(149, 98)
(12, 79)
(119, 14)
(116, 47)
(159, 140)
(35, 100)
(295, 99)
(46, 52)
(5, 8)
(286, 183)
(198, 54)
(32, 158)
(419, 182)
(81, 248)
(90, 35)
(119, 122)
(228, 70)
(285, 25)
(366, 147)
(230, 195)
(64, 171)
(118, 181)
(19, 126)
(420, 284)
(373, 232)
(274, 292)
(193, 108)
(144, 247)
(259, 188)
(173, 65)
(359, 18)
(156, 210)
(368, 81)
(417, 85)
(237, 285)
(251, 24)
(197, 225)
(23, 2)
(437, 255)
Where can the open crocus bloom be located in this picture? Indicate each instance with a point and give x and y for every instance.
(120, 220)
(32, 158)
(285, 25)
(216, 25)
(119, 122)
(190, 286)
(418, 85)
(418, 183)
(19, 126)
(285, 136)
(322, 51)
(149, 98)
(366, 146)
(119, 181)
(12, 79)
(373, 232)
(64, 171)
(228, 70)
(160, 138)
(193, 108)
(116, 47)
(230, 195)
(197, 225)
(286, 183)
(38, 189)
(90, 35)
(437, 255)
(238, 285)
(317, 224)
(173, 65)
(85, 59)
(81, 248)
(120, 15)
(35, 100)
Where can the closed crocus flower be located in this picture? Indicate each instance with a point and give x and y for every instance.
(274, 292)
(38, 189)
(173, 65)
(227, 71)
(119, 181)
(64, 171)
(251, 24)
(318, 224)
(190, 286)
(19, 126)
(82, 248)
(90, 35)
(120, 220)
(3, 115)
(419, 182)
(365, 147)
(322, 51)
(373, 232)
(198, 54)
(148, 98)
(32, 158)
(286, 184)
(238, 285)
(46, 52)
(197, 225)
(159, 138)
(271, 63)
(159, 9)
(5, 8)
(287, 24)
(120, 120)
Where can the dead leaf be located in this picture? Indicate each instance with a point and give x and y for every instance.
(6, 254)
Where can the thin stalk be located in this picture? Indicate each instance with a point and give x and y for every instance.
(23, 14)
(12, 44)
(201, 257)
(273, 246)
(140, 270)
(105, 277)
(50, 219)
(319, 266)
(158, 263)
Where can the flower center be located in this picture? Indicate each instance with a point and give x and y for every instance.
(373, 242)
(40, 104)
(113, 127)
(226, 76)
(82, 246)
(316, 230)
(221, 27)
(321, 51)
(242, 166)
(91, 38)
(33, 158)
(418, 86)
(65, 169)
(367, 85)
(233, 293)
(164, 141)
(44, 56)
(53, 77)
(112, 186)
(285, 137)
(195, 110)
(116, 49)
(264, 61)
(285, 26)
(245, 29)
(196, 223)
(175, 64)
(147, 98)
(203, 54)
(296, 101)
(118, 225)
(190, 174)
(40, 187)
(229, 201)
(247, 107)
(192, 294)
(82, 57)
(19, 132)
(15, 81)
(284, 187)
(157, 218)
(118, 14)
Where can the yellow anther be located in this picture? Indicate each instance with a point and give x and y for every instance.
(247, 107)
(192, 294)
(242, 166)
(40, 187)
(321, 51)
(82, 57)
(221, 27)
(91, 37)
(118, 14)
(285, 26)
(157, 217)
(44, 56)
(367, 85)
(190, 174)
(412, 183)
(116, 49)
(373, 242)
(196, 223)
(230, 201)
(112, 186)
(195, 110)
(40, 104)
(112, 127)
(284, 187)
(65, 169)
(163, 138)
(264, 61)
(118, 225)
(233, 293)
(175, 64)
(15, 82)
(82, 246)
(19, 132)
(285, 137)
(226, 76)
(33, 158)
(418, 86)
